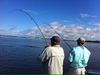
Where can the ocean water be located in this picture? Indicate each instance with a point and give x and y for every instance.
(20, 55)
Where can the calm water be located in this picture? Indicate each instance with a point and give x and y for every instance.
(19, 55)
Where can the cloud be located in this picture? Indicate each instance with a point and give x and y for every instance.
(10, 31)
(68, 31)
(12, 28)
(97, 24)
(85, 15)
(66, 21)
(3, 32)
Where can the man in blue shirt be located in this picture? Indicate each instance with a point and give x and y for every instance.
(79, 57)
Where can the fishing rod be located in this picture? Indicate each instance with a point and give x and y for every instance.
(60, 36)
(31, 17)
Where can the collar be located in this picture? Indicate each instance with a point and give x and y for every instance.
(56, 45)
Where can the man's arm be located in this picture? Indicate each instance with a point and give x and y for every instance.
(87, 56)
(71, 56)
(44, 56)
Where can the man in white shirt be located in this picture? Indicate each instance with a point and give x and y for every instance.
(79, 57)
(54, 56)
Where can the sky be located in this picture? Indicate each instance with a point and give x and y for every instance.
(71, 18)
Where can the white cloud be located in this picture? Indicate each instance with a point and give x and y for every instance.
(97, 24)
(66, 21)
(12, 28)
(10, 31)
(85, 15)
(3, 32)
(70, 31)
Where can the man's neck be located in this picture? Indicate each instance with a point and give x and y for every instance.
(57, 45)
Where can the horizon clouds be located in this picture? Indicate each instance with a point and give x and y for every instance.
(70, 31)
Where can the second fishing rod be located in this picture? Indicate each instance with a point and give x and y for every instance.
(31, 17)
(60, 36)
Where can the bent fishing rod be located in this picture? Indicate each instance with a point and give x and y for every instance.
(31, 18)
(60, 36)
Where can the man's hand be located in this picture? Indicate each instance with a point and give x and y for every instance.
(48, 45)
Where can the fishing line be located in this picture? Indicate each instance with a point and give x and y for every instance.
(31, 17)
(60, 36)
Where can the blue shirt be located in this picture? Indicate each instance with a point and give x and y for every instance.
(79, 57)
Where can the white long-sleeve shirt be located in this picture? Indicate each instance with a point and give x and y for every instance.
(54, 56)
